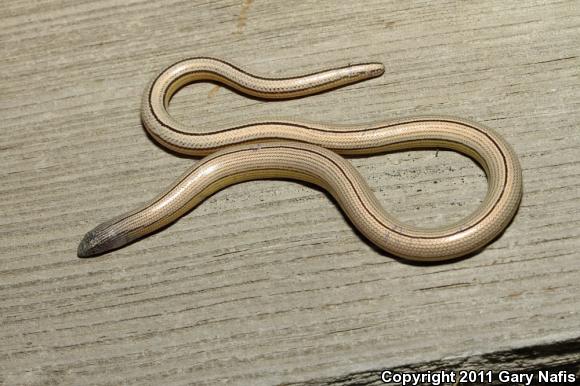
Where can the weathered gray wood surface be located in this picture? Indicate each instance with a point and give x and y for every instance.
(266, 282)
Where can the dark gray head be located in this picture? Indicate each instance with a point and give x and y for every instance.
(100, 240)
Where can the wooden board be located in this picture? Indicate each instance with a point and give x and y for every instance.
(267, 282)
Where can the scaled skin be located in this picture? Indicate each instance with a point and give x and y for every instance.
(298, 150)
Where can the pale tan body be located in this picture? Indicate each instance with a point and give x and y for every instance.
(308, 152)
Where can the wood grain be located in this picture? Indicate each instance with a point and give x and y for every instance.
(266, 282)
